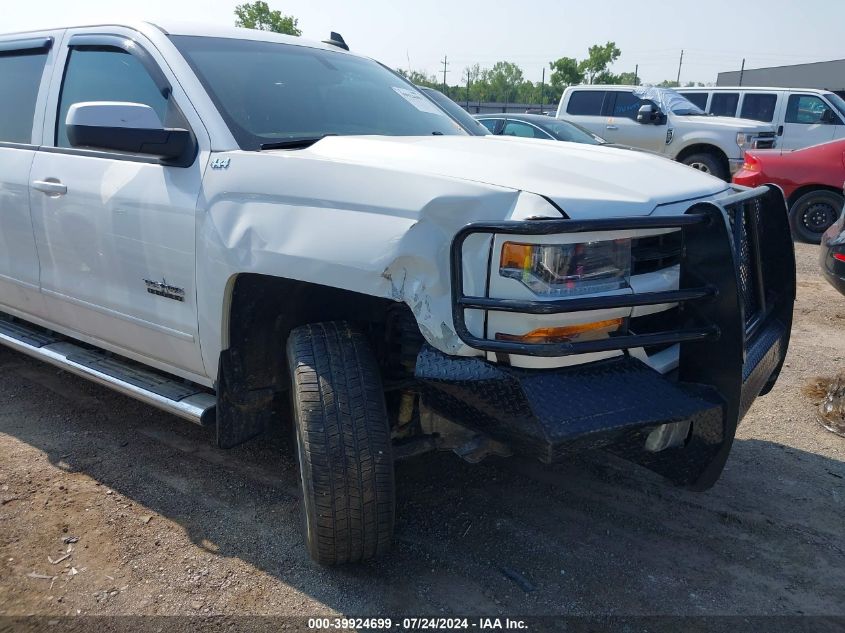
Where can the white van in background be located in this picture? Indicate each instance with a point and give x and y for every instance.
(802, 116)
(663, 121)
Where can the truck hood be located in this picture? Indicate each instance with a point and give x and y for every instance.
(586, 181)
(725, 123)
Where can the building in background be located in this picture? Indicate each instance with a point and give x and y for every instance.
(823, 75)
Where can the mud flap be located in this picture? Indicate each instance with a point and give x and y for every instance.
(241, 413)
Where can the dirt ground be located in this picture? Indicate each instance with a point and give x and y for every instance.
(140, 514)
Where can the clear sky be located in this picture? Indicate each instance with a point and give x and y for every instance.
(715, 35)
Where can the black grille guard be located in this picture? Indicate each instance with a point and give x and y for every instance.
(710, 241)
(736, 293)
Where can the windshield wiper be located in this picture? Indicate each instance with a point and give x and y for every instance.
(295, 143)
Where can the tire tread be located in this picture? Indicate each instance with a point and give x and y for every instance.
(344, 439)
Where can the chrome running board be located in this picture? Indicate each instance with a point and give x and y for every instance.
(179, 397)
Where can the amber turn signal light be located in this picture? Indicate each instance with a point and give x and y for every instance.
(583, 331)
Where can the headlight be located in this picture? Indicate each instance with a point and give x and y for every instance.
(556, 270)
(742, 138)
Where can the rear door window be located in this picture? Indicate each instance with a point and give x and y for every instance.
(518, 128)
(698, 98)
(724, 103)
(759, 106)
(586, 102)
(20, 78)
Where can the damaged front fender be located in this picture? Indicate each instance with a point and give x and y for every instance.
(390, 241)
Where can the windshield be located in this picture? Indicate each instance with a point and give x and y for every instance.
(565, 131)
(269, 92)
(669, 101)
(457, 112)
(837, 101)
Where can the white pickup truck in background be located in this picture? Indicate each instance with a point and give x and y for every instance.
(802, 116)
(188, 217)
(661, 120)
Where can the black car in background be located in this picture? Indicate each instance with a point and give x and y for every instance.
(538, 126)
(547, 127)
(832, 254)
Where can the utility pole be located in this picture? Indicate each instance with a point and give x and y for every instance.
(680, 63)
(468, 77)
(445, 63)
(543, 91)
(637, 75)
(741, 71)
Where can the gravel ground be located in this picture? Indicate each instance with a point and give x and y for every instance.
(142, 515)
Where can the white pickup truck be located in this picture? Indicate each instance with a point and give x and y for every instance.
(663, 121)
(247, 229)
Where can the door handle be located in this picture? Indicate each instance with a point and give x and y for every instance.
(52, 187)
(780, 130)
(612, 127)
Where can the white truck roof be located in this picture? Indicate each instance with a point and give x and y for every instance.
(749, 89)
(191, 28)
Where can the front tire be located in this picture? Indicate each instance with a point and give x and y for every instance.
(343, 444)
(813, 213)
(707, 163)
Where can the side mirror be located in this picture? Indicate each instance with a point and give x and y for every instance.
(127, 127)
(828, 116)
(646, 114)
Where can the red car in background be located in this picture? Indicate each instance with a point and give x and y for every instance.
(811, 180)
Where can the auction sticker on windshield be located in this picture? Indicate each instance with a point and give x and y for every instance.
(417, 100)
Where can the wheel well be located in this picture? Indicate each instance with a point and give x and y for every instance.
(704, 148)
(263, 311)
(807, 189)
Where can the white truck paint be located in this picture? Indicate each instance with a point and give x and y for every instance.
(229, 262)
(802, 116)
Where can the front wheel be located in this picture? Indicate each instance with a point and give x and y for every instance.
(813, 213)
(707, 163)
(343, 444)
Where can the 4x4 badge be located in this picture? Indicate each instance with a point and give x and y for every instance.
(220, 163)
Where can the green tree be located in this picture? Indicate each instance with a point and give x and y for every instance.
(565, 72)
(479, 87)
(505, 78)
(668, 83)
(628, 79)
(607, 78)
(598, 59)
(420, 78)
(528, 92)
(258, 15)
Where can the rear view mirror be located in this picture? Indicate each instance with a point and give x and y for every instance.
(127, 127)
